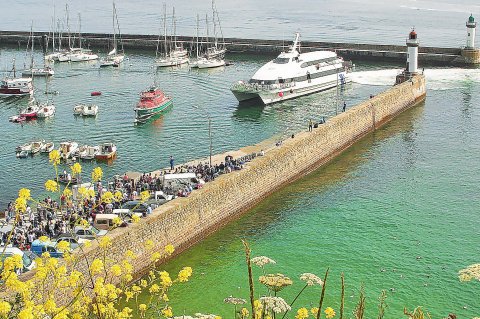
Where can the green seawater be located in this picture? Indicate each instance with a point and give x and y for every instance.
(398, 211)
(408, 190)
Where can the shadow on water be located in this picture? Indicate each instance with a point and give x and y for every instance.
(249, 111)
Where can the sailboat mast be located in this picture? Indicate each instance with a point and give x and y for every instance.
(113, 24)
(214, 24)
(68, 27)
(206, 22)
(198, 22)
(31, 51)
(79, 31)
(53, 26)
(174, 29)
(165, 27)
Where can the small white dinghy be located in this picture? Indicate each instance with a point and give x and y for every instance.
(47, 147)
(85, 110)
(88, 152)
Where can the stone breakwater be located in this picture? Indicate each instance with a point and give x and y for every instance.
(184, 221)
(354, 51)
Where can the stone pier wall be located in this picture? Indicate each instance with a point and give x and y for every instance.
(184, 221)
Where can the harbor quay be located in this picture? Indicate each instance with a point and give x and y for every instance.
(355, 51)
(184, 221)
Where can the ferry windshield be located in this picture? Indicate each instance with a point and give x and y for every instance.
(281, 60)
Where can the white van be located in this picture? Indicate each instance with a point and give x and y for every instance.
(105, 221)
(27, 257)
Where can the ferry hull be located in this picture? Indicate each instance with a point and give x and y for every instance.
(143, 113)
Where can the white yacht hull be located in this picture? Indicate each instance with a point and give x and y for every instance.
(112, 61)
(38, 72)
(287, 93)
(209, 63)
(171, 62)
(83, 57)
(46, 111)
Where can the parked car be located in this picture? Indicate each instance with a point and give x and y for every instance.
(39, 247)
(126, 214)
(73, 239)
(88, 232)
(106, 221)
(136, 207)
(28, 259)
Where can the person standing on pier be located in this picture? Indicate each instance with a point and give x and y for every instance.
(310, 125)
(171, 162)
(344, 106)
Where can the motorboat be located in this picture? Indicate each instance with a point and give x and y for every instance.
(46, 110)
(107, 151)
(47, 147)
(171, 61)
(67, 178)
(82, 56)
(16, 87)
(112, 60)
(152, 101)
(36, 146)
(87, 152)
(27, 147)
(30, 112)
(67, 149)
(293, 74)
(85, 110)
(22, 154)
(17, 119)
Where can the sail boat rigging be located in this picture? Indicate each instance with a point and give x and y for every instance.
(32, 71)
(114, 58)
(175, 55)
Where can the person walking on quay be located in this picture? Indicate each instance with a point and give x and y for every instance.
(310, 125)
(171, 162)
(344, 106)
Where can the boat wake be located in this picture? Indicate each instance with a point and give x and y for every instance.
(437, 79)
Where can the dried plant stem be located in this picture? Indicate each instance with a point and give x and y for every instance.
(319, 313)
(360, 308)
(382, 306)
(342, 300)
(250, 276)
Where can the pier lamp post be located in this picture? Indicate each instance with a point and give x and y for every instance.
(209, 128)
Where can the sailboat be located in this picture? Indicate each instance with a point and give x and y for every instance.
(213, 56)
(32, 71)
(175, 56)
(82, 54)
(114, 58)
(46, 109)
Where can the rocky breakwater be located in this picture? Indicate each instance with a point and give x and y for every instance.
(184, 221)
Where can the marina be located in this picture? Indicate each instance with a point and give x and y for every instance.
(359, 173)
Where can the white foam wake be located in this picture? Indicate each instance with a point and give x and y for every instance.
(437, 79)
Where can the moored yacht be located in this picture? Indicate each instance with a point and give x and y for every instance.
(293, 74)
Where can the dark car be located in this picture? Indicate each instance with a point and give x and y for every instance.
(136, 207)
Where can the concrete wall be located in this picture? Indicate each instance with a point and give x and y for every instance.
(184, 221)
(355, 51)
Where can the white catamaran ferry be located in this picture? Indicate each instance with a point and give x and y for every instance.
(293, 74)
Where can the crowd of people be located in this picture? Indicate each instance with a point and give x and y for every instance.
(53, 217)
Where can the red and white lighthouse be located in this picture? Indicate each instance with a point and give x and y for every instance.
(412, 53)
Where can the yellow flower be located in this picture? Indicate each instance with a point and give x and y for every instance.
(155, 257)
(4, 308)
(169, 249)
(97, 174)
(135, 218)
(165, 279)
(96, 266)
(144, 196)
(67, 193)
(24, 193)
(63, 246)
(128, 277)
(314, 311)
(245, 313)
(117, 221)
(76, 169)
(54, 157)
(45, 255)
(330, 312)
(154, 288)
(51, 186)
(149, 244)
(167, 312)
(129, 254)
(165, 298)
(43, 239)
(302, 313)
(118, 196)
(50, 306)
(20, 205)
(105, 242)
(142, 307)
(184, 274)
(107, 197)
(26, 313)
(136, 289)
(128, 295)
(143, 283)
(116, 270)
